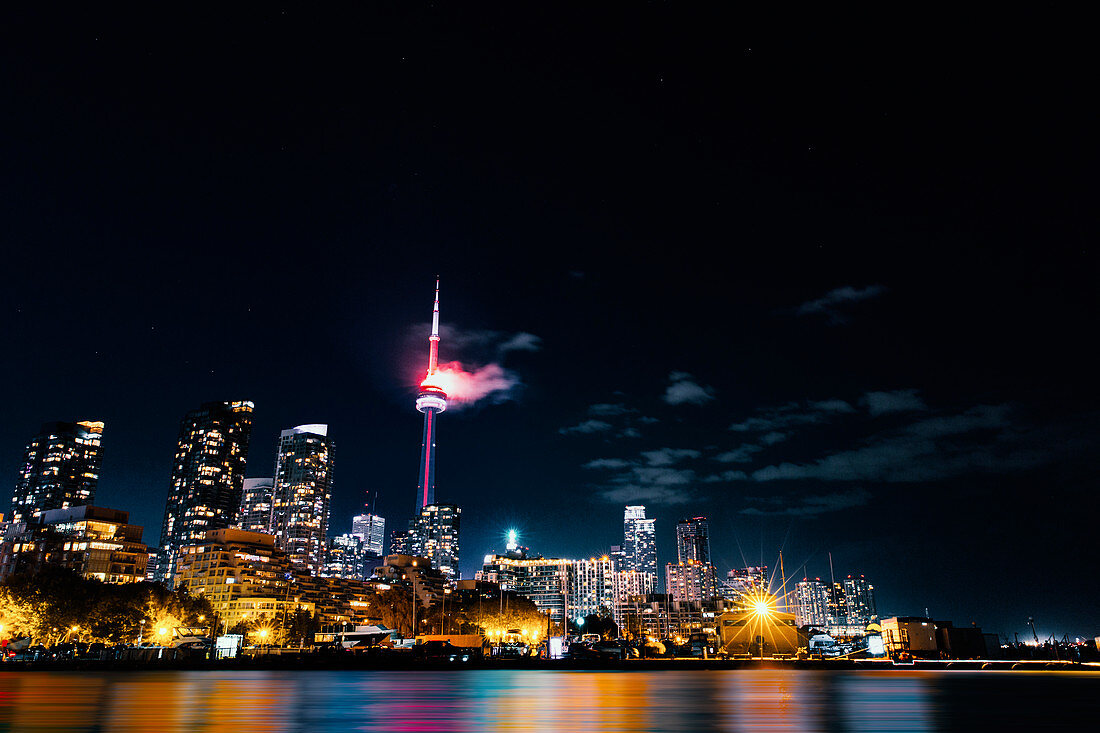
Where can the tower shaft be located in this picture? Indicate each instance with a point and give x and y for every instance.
(431, 400)
(426, 490)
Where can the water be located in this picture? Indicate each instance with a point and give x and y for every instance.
(514, 700)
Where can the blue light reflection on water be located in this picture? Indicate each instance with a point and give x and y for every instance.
(513, 700)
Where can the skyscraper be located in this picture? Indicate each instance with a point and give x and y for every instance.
(693, 541)
(60, 469)
(435, 535)
(207, 477)
(372, 528)
(639, 542)
(255, 513)
(348, 557)
(859, 600)
(301, 497)
(811, 603)
(691, 581)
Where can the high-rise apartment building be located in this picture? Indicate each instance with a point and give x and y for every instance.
(372, 528)
(639, 541)
(302, 495)
(435, 535)
(94, 542)
(691, 581)
(207, 477)
(838, 605)
(60, 469)
(859, 600)
(399, 542)
(693, 541)
(740, 582)
(543, 580)
(811, 603)
(591, 587)
(631, 589)
(255, 514)
(349, 557)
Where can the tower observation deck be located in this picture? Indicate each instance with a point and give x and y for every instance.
(431, 400)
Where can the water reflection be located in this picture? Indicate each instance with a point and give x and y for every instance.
(479, 700)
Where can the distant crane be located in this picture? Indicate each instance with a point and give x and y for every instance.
(1031, 623)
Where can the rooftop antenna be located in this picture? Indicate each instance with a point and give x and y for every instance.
(783, 579)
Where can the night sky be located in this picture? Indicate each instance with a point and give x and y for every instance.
(836, 291)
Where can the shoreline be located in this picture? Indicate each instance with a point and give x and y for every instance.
(306, 664)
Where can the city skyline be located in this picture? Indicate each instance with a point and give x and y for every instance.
(835, 297)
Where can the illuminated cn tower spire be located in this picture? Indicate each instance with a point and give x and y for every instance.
(431, 400)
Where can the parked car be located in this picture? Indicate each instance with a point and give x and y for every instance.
(511, 650)
(441, 651)
(611, 650)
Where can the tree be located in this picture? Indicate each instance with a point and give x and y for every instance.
(55, 603)
(301, 626)
(394, 608)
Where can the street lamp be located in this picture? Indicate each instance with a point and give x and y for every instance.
(141, 633)
(443, 613)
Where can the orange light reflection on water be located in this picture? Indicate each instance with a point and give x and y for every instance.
(519, 700)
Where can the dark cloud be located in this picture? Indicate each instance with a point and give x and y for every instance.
(684, 390)
(668, 456)
(606, 409)
(607, 463)
(806, 505)
(633, 493)
(979, 439)
(586, 428)
(520, 342)
(831, 303)
(774, 420)
(743, 454)
(900, 400)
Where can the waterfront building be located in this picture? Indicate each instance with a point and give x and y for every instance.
(740, 582)
(630, 588)
(246, 577)
(838, 605)
(591, 588)
(255, 512)
(415, 573)
(693, 541)
(759, 633)
(94, 542)
(910, 636)
(639, 541)
(302, 495)
(859, 600)
(60, 469)
(543, 580)
(658, 616)
(811, 603)
(691, 581)
(207, 477)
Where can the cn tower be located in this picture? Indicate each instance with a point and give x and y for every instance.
(431, 400)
